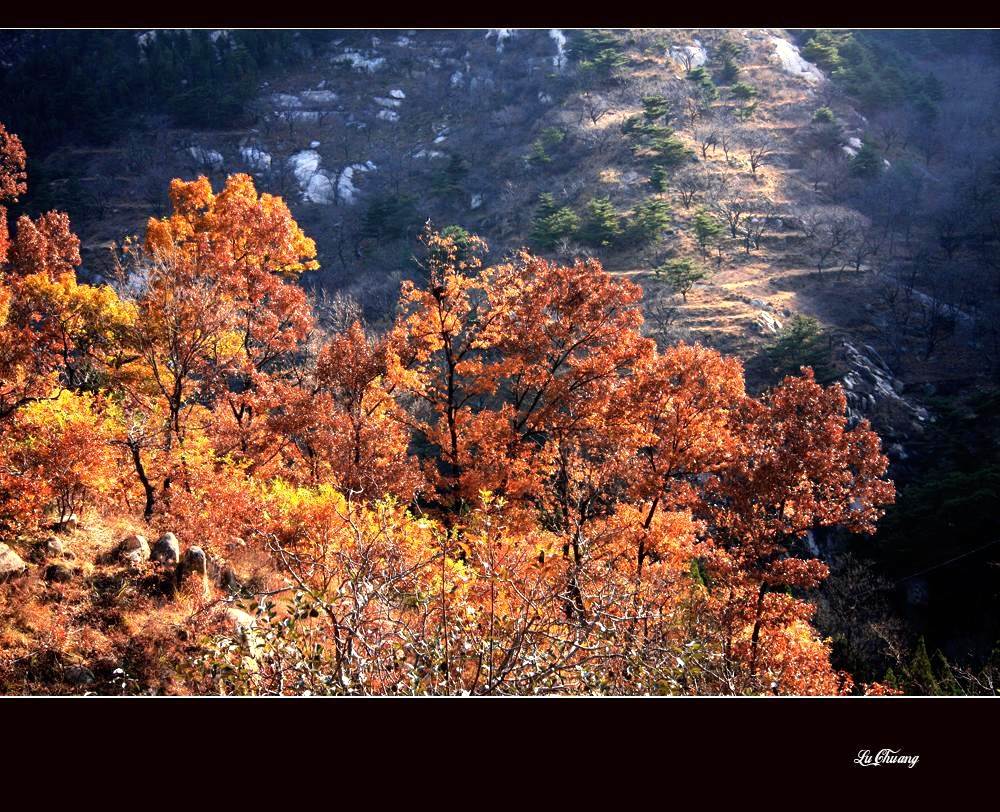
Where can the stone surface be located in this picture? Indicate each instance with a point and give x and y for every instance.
(240, 625)
(134, 549)
(167, 549)
(194, 562)
(71, 522)
(58, 573)
(11, 564)
(228, 579)
(873, 392)
(767, 324)
(79, 675)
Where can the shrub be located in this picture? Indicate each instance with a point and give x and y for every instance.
(542, 146)
(659, 178)
(681, 275)
(823, 115)
(602, 226)
(867, 163)
(649, 220)
(728, 71)
(389, 217)
(706, 228)
(553, 223)
(743, 91)
(599, 54)
(703, 81)
(802, 343)
(654, 107)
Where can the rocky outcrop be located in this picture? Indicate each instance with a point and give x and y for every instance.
(240, 626)
(228, 580)
(874, 393)
(79, 675)
(766, 324)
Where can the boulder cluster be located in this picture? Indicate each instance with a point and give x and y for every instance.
(166, 552)
(134, 551)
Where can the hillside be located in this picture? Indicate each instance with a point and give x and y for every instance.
(373, 134)
(788, 198)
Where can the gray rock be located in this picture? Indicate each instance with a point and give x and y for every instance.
(873, 391)
(55, 547)
(242, 627)
(193, 562)
(134, 549)
(79, 675)
(917, 592)
(59, 573)
(766, 324)
(71, 522)
(228, 580)
(11, 564)
(239, 622)
(167, 549)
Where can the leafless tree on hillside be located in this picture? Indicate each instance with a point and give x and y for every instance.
(760, 148)
(661, 314)
(689, 183)
(732, 201)
(864, 243)
(593, 106)
(707, 135)
(755, 226)
(828, 230)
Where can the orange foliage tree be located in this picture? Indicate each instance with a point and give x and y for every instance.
(53, 331)
(218, 322)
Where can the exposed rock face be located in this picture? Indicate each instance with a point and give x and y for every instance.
(256, 159)
(873, 392)
(319, 96)
(367, 63)
(694, 54)
(134, 549)
(54, 547)
(167, 549)
(238, 620)
(208, 158)
(791, 61)
(767, 324)
(917, 592)
(11, 564)
(240, 625)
